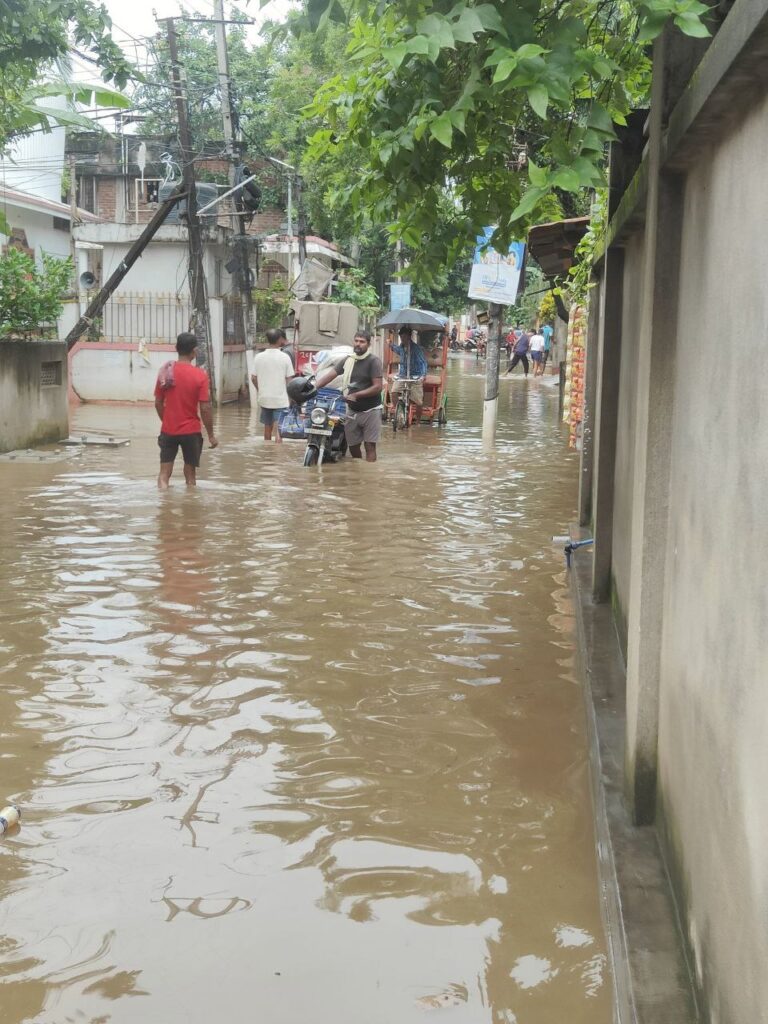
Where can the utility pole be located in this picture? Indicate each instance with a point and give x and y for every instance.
(138, 247)
(74, 220)
(244, 276)
(492, 357)
(202, 321)
(302, 221)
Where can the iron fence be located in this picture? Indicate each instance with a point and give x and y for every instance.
(149, 317)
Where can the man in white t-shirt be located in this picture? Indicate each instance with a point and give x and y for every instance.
(537, 352)
(271, 369)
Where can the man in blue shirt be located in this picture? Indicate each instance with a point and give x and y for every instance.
(520, 353)
(413, 364)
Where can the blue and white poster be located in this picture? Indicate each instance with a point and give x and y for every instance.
(496, 276)
(399, 295)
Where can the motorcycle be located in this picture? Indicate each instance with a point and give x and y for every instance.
(325, 413)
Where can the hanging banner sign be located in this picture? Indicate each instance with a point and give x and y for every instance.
(399, 295)
(496, 276)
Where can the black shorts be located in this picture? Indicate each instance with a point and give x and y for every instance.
(191, 447)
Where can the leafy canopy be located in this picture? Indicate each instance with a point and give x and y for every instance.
(33, 35)
(505, 107)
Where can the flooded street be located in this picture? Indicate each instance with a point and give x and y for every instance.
(299, 745)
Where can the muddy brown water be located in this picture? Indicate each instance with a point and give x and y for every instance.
(301, 745)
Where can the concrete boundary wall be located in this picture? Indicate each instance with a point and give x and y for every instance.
(680, 510)
(33, 393)
(104, 371)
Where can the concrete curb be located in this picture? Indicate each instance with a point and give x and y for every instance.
(651, 976)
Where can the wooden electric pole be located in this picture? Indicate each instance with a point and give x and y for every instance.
(492, 358)
(201, 314)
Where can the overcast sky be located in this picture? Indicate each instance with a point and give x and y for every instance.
(136, 18)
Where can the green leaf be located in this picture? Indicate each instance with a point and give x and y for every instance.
(468, 26)
(5, 227)
(458, 119)
(395, 55)
(592, 141)
(490, 19)
(68, 117)
(603, 68)
(538, 97)
(537, 175)
(568, 179)
(529, 50)
(442, 130)
(692, 26)
(651, 26)
(417, 44)
(600, 120)
(437, 29)
(504, 69)
(527, 203)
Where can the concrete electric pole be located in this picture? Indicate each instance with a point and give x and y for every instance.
(197, 287)
(243, 253)
(492, 358)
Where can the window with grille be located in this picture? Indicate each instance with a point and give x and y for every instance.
(86, 193)
(50, 374)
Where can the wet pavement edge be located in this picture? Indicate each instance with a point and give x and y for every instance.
(650, 970)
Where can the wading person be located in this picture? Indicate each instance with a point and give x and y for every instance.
(537, 353)
(520, 353)
(547, 331)
(413, 364)
(271, 369)
(361, 383)
(182, 391)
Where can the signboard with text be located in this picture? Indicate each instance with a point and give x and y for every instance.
(496, 276)
(399, 294)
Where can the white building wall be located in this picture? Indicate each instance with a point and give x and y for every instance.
(40, 232)
(35, 164)
(713, 755)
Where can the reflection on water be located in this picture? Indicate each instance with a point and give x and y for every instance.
(302, 740)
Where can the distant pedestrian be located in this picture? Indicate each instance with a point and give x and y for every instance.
(547, 331)
(182, 390)
(271, 369)
(520, 353)
(536, 343)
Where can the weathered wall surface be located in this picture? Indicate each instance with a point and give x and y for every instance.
(713, 754)
(692, 486)
(33, 393)
(625, 430)
(118, 372)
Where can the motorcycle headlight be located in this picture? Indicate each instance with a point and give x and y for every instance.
(318, 416)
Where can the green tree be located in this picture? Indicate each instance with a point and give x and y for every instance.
(353, 286)
(504, 107)
(31, 298)
(33, 36)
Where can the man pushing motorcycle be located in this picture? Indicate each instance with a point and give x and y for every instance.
(362, 378)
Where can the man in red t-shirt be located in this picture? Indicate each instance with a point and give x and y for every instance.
(180, 389)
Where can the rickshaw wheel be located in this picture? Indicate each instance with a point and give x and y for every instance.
(442, 414)
(399, 421)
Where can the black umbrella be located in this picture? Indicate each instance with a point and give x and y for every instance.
(414, 318)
